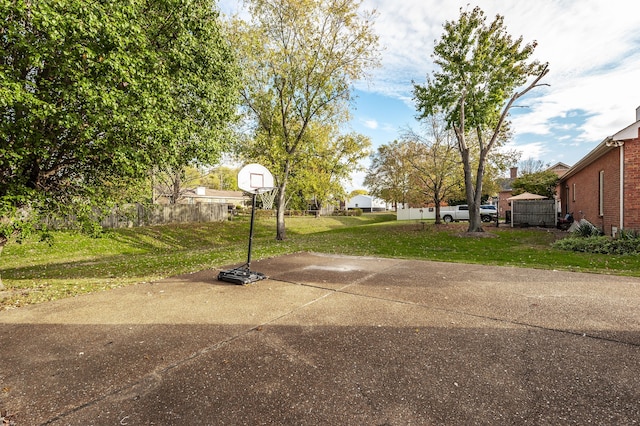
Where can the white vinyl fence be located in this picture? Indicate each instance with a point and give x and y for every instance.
(418, 214)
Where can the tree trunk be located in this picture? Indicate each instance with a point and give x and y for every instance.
(3, 242)
(438, 218)
(175, 193)
(282, 203)
(280, 229)
(475, 220)
(475, 224)
(436, 202)
(477, 198)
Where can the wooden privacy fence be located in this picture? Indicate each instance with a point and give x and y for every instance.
(131, 215)
(533, 213)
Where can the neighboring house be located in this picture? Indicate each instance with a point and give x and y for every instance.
(206, 195)
(367, 203)
(559, 169)
(506, 191)
(604, 186)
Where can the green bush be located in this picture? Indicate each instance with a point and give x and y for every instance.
(582, 244)
(265, 213)
(628, 234)
(626, 243)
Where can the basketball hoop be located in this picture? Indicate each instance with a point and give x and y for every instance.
(267, 198)
(254, 179)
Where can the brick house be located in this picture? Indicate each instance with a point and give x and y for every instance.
(506, 191)
(559, 169)
(604, 186)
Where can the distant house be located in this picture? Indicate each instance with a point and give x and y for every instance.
(367, 203)
(506, 191)
(202, 194)
(559, 169)
(604, 186)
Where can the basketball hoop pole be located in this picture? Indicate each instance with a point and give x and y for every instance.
(252, 178)
(243, 274)
(253, 213)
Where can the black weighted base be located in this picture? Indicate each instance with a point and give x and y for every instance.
(241, 276)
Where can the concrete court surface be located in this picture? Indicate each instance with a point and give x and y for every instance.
(332, 340)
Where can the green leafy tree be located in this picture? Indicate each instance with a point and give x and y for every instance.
(481, 73)
(358, 192)
(541, 183)
(93, 94)
(436, 173)
(172, 184)
(300, 58)
(334, 159)
(224, 178)
(389, 175)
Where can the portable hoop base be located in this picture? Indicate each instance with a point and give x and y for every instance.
(241, 276)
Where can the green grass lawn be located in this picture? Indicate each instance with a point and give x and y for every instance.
(34, 271)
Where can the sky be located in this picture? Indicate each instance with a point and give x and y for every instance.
(592, 89)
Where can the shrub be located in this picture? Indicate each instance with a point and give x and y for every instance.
(628, 234)
(626, 243)
(265, 213)
(586, 230)
(590, 244)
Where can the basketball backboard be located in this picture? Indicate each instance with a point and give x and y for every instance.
(255, 178)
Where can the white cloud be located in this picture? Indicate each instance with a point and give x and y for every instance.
(591, 46)
(534, 150)
(370, 124)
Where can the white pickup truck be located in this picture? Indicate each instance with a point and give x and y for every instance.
(487, 213)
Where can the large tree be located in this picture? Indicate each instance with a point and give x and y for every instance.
(389, 174)
(300, 58)
(481, 74)
(173, 183)
(318, 178)
(542, 182)
(436, 172)
(93, 94)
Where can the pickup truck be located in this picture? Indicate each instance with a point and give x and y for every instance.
(487, 213)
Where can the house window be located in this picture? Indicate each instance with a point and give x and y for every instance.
(601, 193)
(574, 192)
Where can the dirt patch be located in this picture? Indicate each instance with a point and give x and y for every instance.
(484, 234)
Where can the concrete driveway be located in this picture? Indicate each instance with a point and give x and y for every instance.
(331, 340)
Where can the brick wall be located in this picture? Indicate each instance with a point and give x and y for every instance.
(503, 203)
(584, 192)
(580, 194)
(632, 184)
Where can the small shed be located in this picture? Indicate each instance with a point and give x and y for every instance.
(532, 210)
(367, 203)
